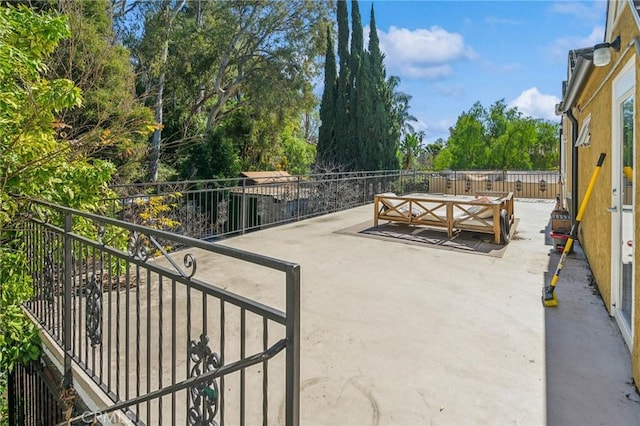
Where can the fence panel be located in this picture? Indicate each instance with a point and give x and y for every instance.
(167, 341)
(226, 207)
(33, 396)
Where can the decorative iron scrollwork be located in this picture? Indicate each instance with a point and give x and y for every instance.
(94, 309)
(138, 246)
(203, 397)
(222, 213)
(101, 232)
(261, 209)
(190, 263)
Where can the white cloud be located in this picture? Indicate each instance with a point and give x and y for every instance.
(535, 104)
(583, 11)
(429, 72)
(560, 47)
(423, 53)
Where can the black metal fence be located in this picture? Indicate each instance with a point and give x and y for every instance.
(188, 337)
(215, 208)
(34, 396)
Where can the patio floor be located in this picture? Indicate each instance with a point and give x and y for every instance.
(403, 334)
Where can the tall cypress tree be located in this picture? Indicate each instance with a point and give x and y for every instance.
(357, 44)
(358, 91)
(365, 138)
(385, 143)
(342, 134)
(326, 151)
(377, 57)
(365, 135)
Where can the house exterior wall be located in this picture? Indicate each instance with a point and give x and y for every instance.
(566, 160)
(595, 229)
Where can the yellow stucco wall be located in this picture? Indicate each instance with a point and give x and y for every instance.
(595, 229)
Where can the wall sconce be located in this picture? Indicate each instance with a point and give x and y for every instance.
(489, 184)
(467, 185)
(602, 54)
(542, 185)
(518, 185)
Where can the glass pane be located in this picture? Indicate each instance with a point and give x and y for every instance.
(627, 151)
(627, 213)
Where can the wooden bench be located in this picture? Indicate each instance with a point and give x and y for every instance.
(450, 212)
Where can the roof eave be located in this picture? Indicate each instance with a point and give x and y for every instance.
(579, 76)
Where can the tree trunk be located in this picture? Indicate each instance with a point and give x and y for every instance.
(157, 134)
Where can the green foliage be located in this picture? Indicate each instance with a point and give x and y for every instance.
(19, 340)
(499, 138)
(326, 135)
(443, 160)
(298, 156)
(259, 140)
(112, 124)
(342, 112)
(215, 157)
(410, 149)
(202, 63)
(369, 112)
(427, 156)
(4, 406)
(33, 162)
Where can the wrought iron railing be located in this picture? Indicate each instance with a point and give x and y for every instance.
(33, 396)
(222, 207)
(186, 337)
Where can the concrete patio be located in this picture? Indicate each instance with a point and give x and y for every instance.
(400, 334)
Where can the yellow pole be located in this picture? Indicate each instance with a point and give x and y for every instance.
(549, 297)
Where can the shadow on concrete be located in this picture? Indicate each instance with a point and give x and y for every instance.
(588, 367)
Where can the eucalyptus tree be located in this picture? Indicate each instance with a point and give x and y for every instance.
(226, 56)
(151, 53)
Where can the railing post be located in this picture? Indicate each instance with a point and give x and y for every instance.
(455, 183)
(292, 416)
(298, 196)
(364, 190)
(66, 311)
(243, 207)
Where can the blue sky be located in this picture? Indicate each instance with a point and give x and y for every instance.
(450, 54)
